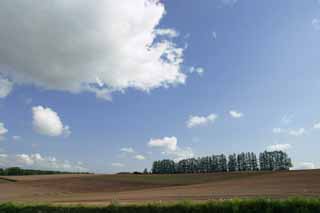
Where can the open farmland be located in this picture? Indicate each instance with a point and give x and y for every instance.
(102, 189)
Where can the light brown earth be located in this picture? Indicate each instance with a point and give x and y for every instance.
(103, 189)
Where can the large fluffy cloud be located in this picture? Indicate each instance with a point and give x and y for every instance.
(96, 46)
(47, 122)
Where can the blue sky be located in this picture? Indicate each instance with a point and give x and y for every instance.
(227, 76)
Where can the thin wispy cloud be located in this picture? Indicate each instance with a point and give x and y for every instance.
(297, 132)
(198, 121)
(127, 150)
(139, 157)
(198, 70)
(117, 164)
(235, 114)
(279, 147)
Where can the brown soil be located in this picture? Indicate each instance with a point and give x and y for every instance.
(102, 189)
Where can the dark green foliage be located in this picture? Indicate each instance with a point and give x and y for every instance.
(229, 206)
(271, 161)
(16, 171)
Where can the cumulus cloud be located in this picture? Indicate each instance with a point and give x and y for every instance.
(127, 150)
(168, 143)
(37, 161)
(169, 147)
(195, 121)
(297, 132)
(139, 157)
(198, 70)
(3, 131)
(5, 87)
(47, 122)
(235, 114)
(69, 45)
(279, 147)
(117, 164)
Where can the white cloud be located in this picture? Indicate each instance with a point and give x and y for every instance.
(171, 149)
(16, 137)
(316, 23)
(47, 122)
(279, 147)
(127, 150)
(168, 143)
(139, 157)
(201, 120)
(180, 153)
(297, 132)
(198, 70)
(305, 165)
(235, 114)
(37, 161)
(316, 126)
(3, 131)
(166, 32)
(5, 87)
(117, 164)
(67, 46)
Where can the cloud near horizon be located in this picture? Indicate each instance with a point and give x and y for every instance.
(37, 161)
(169, 147)
(88, 46)
(279, 147)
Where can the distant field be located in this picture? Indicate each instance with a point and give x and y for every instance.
(102, 189)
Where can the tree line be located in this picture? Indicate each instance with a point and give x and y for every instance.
(268, 161)
(16, 171)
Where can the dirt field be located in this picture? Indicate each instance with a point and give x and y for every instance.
(102, 189)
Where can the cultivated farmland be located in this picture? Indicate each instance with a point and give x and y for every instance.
(103, 189)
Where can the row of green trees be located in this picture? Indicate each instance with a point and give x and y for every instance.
(268, 161)
(16, 171)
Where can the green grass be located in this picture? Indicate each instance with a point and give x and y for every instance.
(297, 205)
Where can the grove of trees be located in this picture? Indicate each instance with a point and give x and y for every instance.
(268, 161)
(16, 171)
